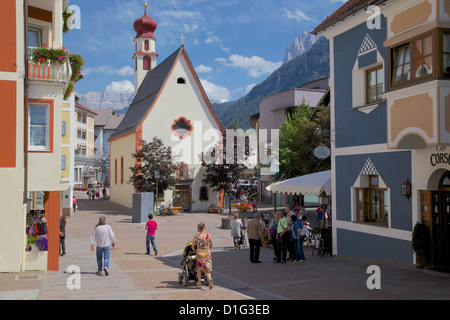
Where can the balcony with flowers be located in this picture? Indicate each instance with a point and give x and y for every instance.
(56, 65)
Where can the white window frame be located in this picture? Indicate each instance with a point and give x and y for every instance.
(48, 128)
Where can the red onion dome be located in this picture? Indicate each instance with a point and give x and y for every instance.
(145, 26)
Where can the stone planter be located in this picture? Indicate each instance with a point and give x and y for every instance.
(226, 223)
(35, 259)
(142, 206)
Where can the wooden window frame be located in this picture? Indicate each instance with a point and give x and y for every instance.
(368, 72)
(366, 204)
(410, 43)
(440, 53)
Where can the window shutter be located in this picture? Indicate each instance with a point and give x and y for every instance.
(63, 162)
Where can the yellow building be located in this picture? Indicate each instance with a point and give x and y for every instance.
(86, 172)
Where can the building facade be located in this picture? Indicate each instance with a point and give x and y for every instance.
(273, 111)
(85, 171)
(390, 117)
(170, 104)
(31, 136)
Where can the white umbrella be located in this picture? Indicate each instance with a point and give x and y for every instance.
(312, 184)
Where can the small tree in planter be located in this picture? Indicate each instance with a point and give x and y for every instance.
(421, 243)
(151, 157)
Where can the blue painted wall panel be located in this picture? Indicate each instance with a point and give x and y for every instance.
(354, 128)
(362, 245)
(393, 167)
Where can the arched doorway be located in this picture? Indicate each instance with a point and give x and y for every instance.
(441, 223)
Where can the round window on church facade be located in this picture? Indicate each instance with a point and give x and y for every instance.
(182, 127)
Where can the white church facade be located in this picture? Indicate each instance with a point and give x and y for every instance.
(170, 104)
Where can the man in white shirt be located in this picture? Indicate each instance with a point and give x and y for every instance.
(103, 237)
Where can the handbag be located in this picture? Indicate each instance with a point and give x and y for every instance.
(272, 232)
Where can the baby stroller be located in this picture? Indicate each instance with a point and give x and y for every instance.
(189, 264)
(242, 240)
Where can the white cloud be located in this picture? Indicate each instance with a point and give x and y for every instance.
(297, 15)
(215, 92)
(212, 38)
(109, 70)
(179, 14)
(203, 69)
(124, 86)
(250, 87)
(255, 66)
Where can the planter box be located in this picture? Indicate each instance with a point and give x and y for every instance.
(142, 206)
(35, 259)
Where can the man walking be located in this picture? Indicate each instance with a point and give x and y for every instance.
(103, 237)
(151, 228)
(255, 237)
(282, 237)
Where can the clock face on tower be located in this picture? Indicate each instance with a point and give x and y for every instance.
(182, 128)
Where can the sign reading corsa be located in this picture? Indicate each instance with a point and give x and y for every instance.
(441, 157)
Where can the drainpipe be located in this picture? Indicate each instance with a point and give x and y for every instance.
(25, 129)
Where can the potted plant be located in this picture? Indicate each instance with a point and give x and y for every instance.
(421, 243)
(36, 253)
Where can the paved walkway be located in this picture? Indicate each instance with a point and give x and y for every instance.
(134, 275)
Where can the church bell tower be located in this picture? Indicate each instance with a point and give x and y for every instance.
(145, 56)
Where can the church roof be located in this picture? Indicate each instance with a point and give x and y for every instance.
(148, 94)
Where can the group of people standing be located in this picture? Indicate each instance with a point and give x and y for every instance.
(288, 231)
(95, 193)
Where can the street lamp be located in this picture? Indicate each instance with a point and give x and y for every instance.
(230, 177)
(157, 176)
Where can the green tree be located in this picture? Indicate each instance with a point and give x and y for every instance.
(216, 169)
(299, 136)
(152, 157)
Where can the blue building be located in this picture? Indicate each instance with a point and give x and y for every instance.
(390, 118)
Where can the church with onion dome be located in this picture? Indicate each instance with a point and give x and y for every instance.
(170, 103)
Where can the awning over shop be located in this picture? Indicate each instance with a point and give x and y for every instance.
(312, 184)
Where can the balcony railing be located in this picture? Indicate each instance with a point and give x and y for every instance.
(50, 72)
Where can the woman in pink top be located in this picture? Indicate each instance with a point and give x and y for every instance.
(151, 228)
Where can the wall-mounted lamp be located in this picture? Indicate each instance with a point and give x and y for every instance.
(406, 188)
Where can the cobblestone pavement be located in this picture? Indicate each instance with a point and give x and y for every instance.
(134, 275)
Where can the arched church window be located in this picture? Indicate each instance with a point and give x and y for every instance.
(147, 63)
(181, 81)
(203, 194)
(146, 45)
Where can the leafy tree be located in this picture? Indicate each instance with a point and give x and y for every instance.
(299, 136)
(152, 157)
(216, 168)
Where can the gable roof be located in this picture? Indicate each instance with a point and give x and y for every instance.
(149, 91)
(347, 9)
(114, 121)
(102, 116)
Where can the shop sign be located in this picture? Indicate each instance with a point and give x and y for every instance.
(91, 172)
(442, 156)
(322, 152)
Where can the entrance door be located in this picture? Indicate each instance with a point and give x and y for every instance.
(182, 197)
(441, 223)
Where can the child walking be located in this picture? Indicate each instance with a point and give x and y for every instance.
(151, 228)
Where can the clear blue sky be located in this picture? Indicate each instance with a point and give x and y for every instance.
(233, 44)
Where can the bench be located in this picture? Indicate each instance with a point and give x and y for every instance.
(175, 210)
